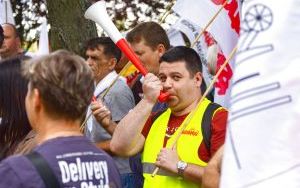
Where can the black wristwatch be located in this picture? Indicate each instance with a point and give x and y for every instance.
(181, 166)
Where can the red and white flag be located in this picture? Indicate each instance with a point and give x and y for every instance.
(263, 134)
(224, 30)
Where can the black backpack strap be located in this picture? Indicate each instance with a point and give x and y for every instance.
(206, 123)
(42, 167)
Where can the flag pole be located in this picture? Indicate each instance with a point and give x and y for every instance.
(167, 12)
(6, 19)
(208, 24)
(200, 101)
(125, 68)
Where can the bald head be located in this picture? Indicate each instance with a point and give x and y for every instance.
(12, 44)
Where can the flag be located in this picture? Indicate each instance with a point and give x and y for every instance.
(263, 134)
(224, 30)
(43, 41)
(6, 14)
(191, 31)
(175, 37)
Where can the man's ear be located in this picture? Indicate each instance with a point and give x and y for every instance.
(112, 63)
(198, 79)
(36, 98)
(161, 49)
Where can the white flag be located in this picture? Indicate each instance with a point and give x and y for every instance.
(175, 37)
(43, 41)
(263, 135)
(6, 14)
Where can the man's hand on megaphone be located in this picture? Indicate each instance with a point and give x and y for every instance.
(151, 87)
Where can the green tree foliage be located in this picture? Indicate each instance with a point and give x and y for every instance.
(128, 13)
(27, 16)
(124, 13)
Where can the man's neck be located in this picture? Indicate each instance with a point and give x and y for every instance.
(104, 77)
(50, 129)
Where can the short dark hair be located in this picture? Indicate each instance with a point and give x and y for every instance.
(1, 36)
(64, 81)
(186, 54)
(151, 32)
(110, 49)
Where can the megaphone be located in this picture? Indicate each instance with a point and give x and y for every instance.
(97, 13)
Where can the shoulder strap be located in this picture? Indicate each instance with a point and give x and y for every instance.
(206, 123)
(46, 173)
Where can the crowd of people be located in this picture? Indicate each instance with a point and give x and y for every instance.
(68, 121)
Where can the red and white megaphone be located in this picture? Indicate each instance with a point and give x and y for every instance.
(97, 13)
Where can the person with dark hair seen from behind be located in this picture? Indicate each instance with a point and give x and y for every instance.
(12, 43)
(60, 88)
(14, 125)
(182, 166)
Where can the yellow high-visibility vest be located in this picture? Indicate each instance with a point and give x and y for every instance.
(187, 149)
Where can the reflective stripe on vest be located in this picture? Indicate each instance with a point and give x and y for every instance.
(187, 148)
(150, 167)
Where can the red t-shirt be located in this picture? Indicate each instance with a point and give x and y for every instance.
(218, 125)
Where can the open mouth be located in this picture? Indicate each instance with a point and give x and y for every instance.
(171, 97)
